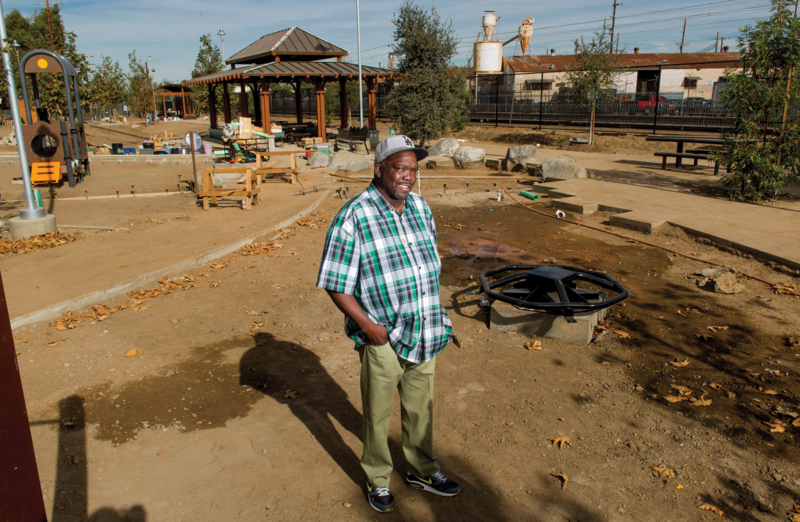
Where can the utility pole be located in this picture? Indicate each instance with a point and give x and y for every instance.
(49, 21)
(683, 35)
(613, 19)
(716, 42)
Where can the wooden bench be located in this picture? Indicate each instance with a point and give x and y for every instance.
(263, 170)
(249, 190)
(353, 136)
(686, 155)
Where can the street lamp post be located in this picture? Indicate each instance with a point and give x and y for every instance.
(147, 71)
(222, 35)
(360, 77)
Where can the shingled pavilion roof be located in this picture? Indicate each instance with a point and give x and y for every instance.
(292, 44)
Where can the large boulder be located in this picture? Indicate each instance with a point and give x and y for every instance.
(349, 162)
(319, 159)
(445, 147)
(562, 167)
(468, 158)
(516, 157)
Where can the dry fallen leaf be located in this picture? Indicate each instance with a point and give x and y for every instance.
(715, 386)
(248, 312)
(716, 329)
(776, 427)
(290, 394)
(770, 392)
(702, 401)
(560, 441)
(174, 321)
(675, 398)
(623, 335)
(705, 337)
(680, 364)
(217, 266)
(663, 471)
(533, 344)
(133, 353)
(731, 395)
(709, 507)
(680, 312)
(796, 423)
(683, 390)
(52, 343)
(160, 453)
(112, 370)
(564, 479)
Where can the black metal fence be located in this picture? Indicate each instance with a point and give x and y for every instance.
(636, 110)
(669, 111)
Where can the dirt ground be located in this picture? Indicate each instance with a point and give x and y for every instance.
(240, 398)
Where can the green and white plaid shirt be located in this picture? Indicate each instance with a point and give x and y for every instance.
(390, 263)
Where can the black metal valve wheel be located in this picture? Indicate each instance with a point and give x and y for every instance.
(553, 289)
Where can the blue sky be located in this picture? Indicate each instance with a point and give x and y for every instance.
(170, 30)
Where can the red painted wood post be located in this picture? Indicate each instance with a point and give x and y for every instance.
(20, 489)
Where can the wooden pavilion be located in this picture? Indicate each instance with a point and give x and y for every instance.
(291, 56)
(174, 92)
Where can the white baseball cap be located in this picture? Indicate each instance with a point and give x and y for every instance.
(398, 143)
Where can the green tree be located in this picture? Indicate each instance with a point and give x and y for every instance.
(34, 33)
(429, 97)
(593, 74)
(108, 85)
(209, 61)
(332, 98)
(758, 100)
(141, 86)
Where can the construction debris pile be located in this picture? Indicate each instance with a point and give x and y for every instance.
(36, 243)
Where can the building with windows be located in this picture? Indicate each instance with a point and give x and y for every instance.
(674, 75)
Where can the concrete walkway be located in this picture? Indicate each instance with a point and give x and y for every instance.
(767, 233)
(174, 237)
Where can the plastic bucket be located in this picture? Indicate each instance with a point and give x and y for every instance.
(308, 154)
(208, 149)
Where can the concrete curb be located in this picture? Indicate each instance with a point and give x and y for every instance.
(101, 295)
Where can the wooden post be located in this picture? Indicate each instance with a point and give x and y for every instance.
(321, 110)
(212, 106)
(373, 113)
(164, 102)
(226, 103)
(243, 105)
(344, 110)
(183, 101)
(266, 121)
(298, 101)
(21, 493)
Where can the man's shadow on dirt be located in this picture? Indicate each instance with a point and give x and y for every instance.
(275, 367)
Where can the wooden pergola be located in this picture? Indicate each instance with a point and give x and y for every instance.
(175, 91)
(289, 57)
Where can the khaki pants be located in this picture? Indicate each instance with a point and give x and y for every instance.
(382, 371)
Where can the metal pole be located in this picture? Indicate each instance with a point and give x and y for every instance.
(541, 100)
(497, 101)
(658, 97)
(30, 212)
(360, 77)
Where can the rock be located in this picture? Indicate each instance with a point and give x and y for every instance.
(349, 162)
(550, 260)
(562, 167)
(706, 272)
(516, 157)
(319, 159)
(468, 158)
(445, 147)
(727, 284)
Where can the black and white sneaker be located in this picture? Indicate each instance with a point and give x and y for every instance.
(380, 499)
(437, 484)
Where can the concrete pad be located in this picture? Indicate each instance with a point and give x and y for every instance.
(24, 228)
(576, 205)
(612, 208)
(439, 163)
(503, 316)
(642, 221)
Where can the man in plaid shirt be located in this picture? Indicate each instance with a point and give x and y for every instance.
(381, 268)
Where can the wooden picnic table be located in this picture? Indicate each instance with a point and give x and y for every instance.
(681, 140)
